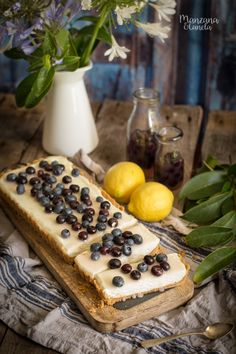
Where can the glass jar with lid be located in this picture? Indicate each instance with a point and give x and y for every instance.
(169, 166)
(143, 125)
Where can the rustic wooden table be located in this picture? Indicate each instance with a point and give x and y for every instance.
(20, 142)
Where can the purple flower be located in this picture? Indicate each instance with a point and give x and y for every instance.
(5, 39)
(19, 31)
(27, 47)
(16, 7)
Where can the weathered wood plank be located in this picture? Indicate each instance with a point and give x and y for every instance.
(15, 344)
(220, 136)
(3, 331)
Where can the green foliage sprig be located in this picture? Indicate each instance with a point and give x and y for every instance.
(210, 202)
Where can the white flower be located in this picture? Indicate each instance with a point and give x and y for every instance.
(86, 4)
(155, 29)
(124, 13)
(164, 8)
(116, 51)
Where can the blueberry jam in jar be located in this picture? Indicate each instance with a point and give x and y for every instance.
(169, 167)
(143, 126)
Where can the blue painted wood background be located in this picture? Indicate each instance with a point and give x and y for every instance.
(192, 67)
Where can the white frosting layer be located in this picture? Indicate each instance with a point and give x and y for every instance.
(147, 283)
(47, 222)
(91, 268)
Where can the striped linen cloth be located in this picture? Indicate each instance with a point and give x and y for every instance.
(34, 305)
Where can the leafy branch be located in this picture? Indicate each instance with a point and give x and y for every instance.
(210, 202)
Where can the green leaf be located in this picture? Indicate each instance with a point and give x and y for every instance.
(214, 262)
(15, 53)
(88, 19)
(35, 64)
(208, 211)
(227, 206)
(210, 164)
(227, 220)
(209, 236)
(232, 170)
(63, 41)
(226, 187)
(40, 86)
(70, 63)
(49, 45)
(204, 185)
(24, 88)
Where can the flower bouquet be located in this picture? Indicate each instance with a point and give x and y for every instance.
(61, 35)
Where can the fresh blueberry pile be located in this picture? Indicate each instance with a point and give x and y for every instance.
(115, 243)
(148, 260)
(71, 204)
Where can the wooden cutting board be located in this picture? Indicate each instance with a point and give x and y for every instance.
(102, 317)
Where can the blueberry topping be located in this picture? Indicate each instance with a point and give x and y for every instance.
(107, 237)
(100, 226)
(157, 270)
(75, 188)
(60, 185)
(11, 177)
(127, 250)
(104, 212)
(127, 234)
(57, 170)
(20, 189)
(105, 205)
(74, 205)
(116, 232)
(85, 191)
(108, 244)
(21, 180)
(142, 267)
(34, 180)
(118, 281)
(67, 179)
(104, 250)
(61, 219)
(70, 198)
(149, 259)
(117, 215)
(43, 163)
(58, 208)
(57, 191)
(137, 239)
(48, 168)
(87, 217)
(84, 197)
(116, 252)
(44, 201)
(76, 226)
(40, 173)
(68, 211)
(48, 208)
(83, 235)
(71, 219)
(95, 256)
(114, 263)
(22, 174)
(126, 268)
(161, 257)
(51, 179)
(88, 202)
(112, 222)
(99, 199)
(57, 200)
(85, 223)
(91, 229)
(135, 274)
(119, 240)
(80, 208)
(95, 247)
(65, 233)
(66, 191)
(129, 241)
(102, 218)
(75, 172)
(90, 211)
(30, 170)
(165, 265)
(54, 163)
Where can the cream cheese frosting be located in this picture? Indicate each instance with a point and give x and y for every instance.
(90, 267)
(147, 283)
(47, 222)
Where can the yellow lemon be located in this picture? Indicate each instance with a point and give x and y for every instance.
(151, 201)
(122, 179)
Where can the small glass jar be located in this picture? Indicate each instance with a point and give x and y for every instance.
(169, 166)
(143, 125)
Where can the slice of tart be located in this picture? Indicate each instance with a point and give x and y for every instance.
(129, 245)
(66, 208)
(136, 279)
